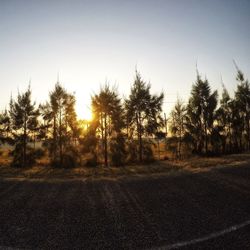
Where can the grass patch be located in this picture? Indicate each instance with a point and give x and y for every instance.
(194, 164)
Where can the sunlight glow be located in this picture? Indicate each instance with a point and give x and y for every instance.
(83, 112)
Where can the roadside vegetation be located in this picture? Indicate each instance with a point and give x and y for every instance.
(195, 164)
(130, 131)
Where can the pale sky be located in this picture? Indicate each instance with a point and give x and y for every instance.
(90, 42)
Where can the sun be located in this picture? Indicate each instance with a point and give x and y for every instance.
(83, 112)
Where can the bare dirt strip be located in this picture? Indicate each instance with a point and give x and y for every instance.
(201, 210)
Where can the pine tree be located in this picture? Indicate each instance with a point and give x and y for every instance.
(60, 127)
(5, 127)
(108, 112)
(201, 113)
(242, 97)
(178, 117)
(224, 121)
(23, 118)
(143, 111)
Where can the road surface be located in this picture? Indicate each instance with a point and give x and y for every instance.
(207, 210)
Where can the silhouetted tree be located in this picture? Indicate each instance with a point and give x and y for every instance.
(177, 124)
(60, 126)
(125, 128)
(89, 142)
(108, 112)
(242, 97)
(23, 118)
(5, 127)
(143, 111)
(201, 113)
(224, 122)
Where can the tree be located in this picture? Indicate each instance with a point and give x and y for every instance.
(5, 127)
(224, 121)
(89, 141)
(23, 118)
(108, 112)
(143, 111)
(60, 126)
(201, 113)
(242, 97)
(178, 117)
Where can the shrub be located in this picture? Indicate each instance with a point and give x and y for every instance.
(39, 153)
(147, 152)
(132, 152)
(18, 156)
(71, 157)
(118, 151)
(92, 161)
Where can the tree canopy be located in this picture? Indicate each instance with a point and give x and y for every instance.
(125, 130)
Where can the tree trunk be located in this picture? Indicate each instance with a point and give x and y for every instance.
(248, 133)
(60, 136)
(54, 138)
(105, 141)
(230, 138)
(139, 132)
(179, 148)
(206, 148)
(24, 141)
(34, 140)
(159, 153)
(240, 141)
(180, 139)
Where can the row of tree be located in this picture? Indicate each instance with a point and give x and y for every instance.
(205, 129)
(54, 123)
(117, 133)
(121, 131)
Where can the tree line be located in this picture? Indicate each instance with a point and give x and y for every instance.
(208, 125)
(123, 131)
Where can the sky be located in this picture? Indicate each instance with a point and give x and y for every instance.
(90, 42)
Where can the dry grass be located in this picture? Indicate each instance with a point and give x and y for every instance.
(194, 164)
(49, 173)
(5, 159)
(207, 163)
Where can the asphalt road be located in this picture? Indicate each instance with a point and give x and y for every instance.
(141, 213)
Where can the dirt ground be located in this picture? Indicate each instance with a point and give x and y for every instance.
(140, 210)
